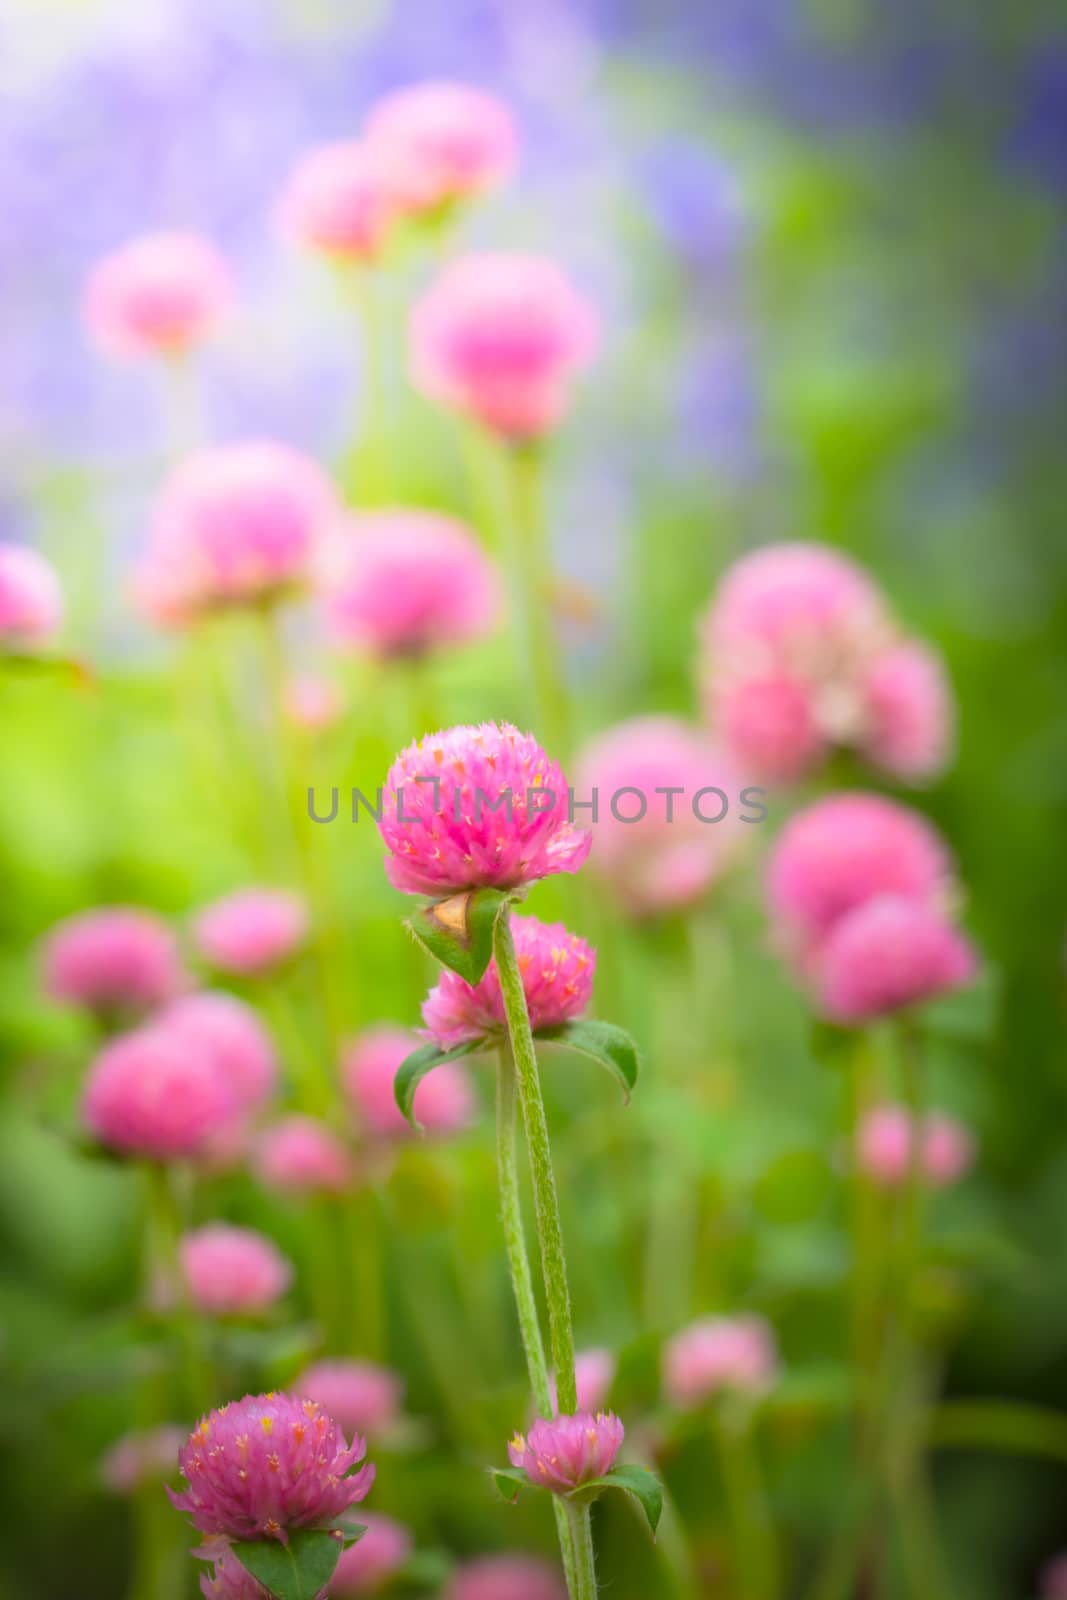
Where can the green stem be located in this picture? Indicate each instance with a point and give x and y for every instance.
(581, 1526)
(753, 1535)
(164, 1228)
(530, 562)
(371, 461)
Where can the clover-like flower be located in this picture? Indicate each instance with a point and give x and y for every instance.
(557, 977)
(567, 1452)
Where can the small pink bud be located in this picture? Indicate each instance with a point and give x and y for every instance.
(232, 1272)
(557, 976)
(300, 1155)
(716, 1354)
(251, 930)
(563, 1454)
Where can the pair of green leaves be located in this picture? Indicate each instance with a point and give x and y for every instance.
(638, 1482)
(300, 1569)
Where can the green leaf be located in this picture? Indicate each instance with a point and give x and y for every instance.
(414, 1068)
(458, 932)
(294, 1571)
(612, 1047)
(642, 1484)
(507, 1481)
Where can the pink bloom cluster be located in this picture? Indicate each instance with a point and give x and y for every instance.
(31, 601)
(442, 142)
(370, 1563)
(473, 806)
(399, 583)
(362, 1397)
(499, 337)
(506, 1578)
(112, 958)
(557, 977)
(301, 1155)
(232, 1272)
(147, 1094)
(444, 1100)
(266, 1465)
(566, 1452)
(801, 654)
(160, 294)
(717, 1353)
(142, 1458)
(887, 1142)
(251, 930)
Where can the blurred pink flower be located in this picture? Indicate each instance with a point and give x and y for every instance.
(234, 523)
(594, 1374)
(300, 1155)
(340, 199)
(112, 957)
(506, 1578)
(148, 1094)
(499, 337)
(31, 601)
(229, 1271)
(909, 714)
(160, 294)
(367, 1565)
(266, 1465)
(362, 1397)
(768, 721)
(445, 142)
(251, 930)
(399, 583)
(717, 1353)
(884, 1143)
(888, 953)
(669, 858)
(229, 1580)
(467, 807)
(444, 1100)
(141, 1458)
(557, 977)
(234, 1036)
(1054, 1579)
(312, 703)
(568, 1451)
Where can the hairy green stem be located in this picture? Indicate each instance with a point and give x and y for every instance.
(581, 1526)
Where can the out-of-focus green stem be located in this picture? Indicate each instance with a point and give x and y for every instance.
(751, 1527)
(163, 1267)
(529, 559)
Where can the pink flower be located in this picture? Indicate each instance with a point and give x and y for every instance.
(366, 1566)
(499, 338)
(160, 294)
(885, 1140)
(947, 1149)
(568, 1451)
(888, 953)
(444, 1100)
(506, 1578)
(718, 1353)
(112, 957)
(233, 524)
(363, 1397)
(1054, 1579)
(404, 582)
(232, 1034)
(668, 857)
(841, 852)
(251, 930)
(269, 1464)
(31, 601)
(445, 142)
(341, 200)
(148, 1094)
(474, 806)
(142, 1458)
(230, 1272)
(594, 1374)
(768, 721)
(300, 1155)
(908, 721)
(557, 977)
(229, 1580)
(312, 703)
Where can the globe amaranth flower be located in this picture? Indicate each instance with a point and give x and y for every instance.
(506, 1578)
(160, 294)
(499, 338)
(667, 857)
(148, 1094)
(234, 524)
(366, 1566)
(569, 1451)
(251, 930)
(361, 1396)
(341, 201)
(400, 583)
(112, 958)
(889, 953)
(269, 1464)
(229, 1271)
(444, 1100)
(444, 142)
(234, 1036)
(144, 1457)
(477, 806)
(887, 1143)
(301, 1155)
(31, 600)
(557, 977)
(716, 1354)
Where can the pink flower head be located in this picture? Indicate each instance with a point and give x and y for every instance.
(499, 337)
(475, 806)
(888, 953)
(251, 930)
(841, 852)
(568, 1451)
(341, 201)
(312, 703)
(232, 1034)
(908, 719)
(506, 1578)
(142, 1458)
(232, 1272)
(444, 1100)
(31, 601)
(557, 976)
(668, 857)
(404, 582)
(444, 141)
(233, 524)
(161, 294)
(148, 1094)
(884, 1145)
(230, 1580)
(266, 1465)
(594, 1374)
(768, 721)
(363, 1397)
(300, 1155)
(112, 957)
(366, 1566)
(717, 1353)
